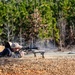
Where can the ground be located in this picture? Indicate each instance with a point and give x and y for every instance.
(54, 63)
(29, 65)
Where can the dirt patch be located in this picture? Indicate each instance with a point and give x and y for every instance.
(37, 66)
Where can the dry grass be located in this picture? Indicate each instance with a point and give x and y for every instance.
(1, 48)
(37, 66)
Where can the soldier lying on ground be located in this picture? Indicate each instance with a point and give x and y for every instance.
(11, 50)
(16, 49)
(7, 50)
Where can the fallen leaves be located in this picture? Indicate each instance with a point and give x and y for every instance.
(33, 66)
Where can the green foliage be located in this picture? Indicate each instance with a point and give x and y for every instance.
(49, 29)
(16, 14)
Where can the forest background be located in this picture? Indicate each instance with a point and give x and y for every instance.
(25, 20)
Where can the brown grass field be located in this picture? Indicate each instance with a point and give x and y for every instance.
(63, 65)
